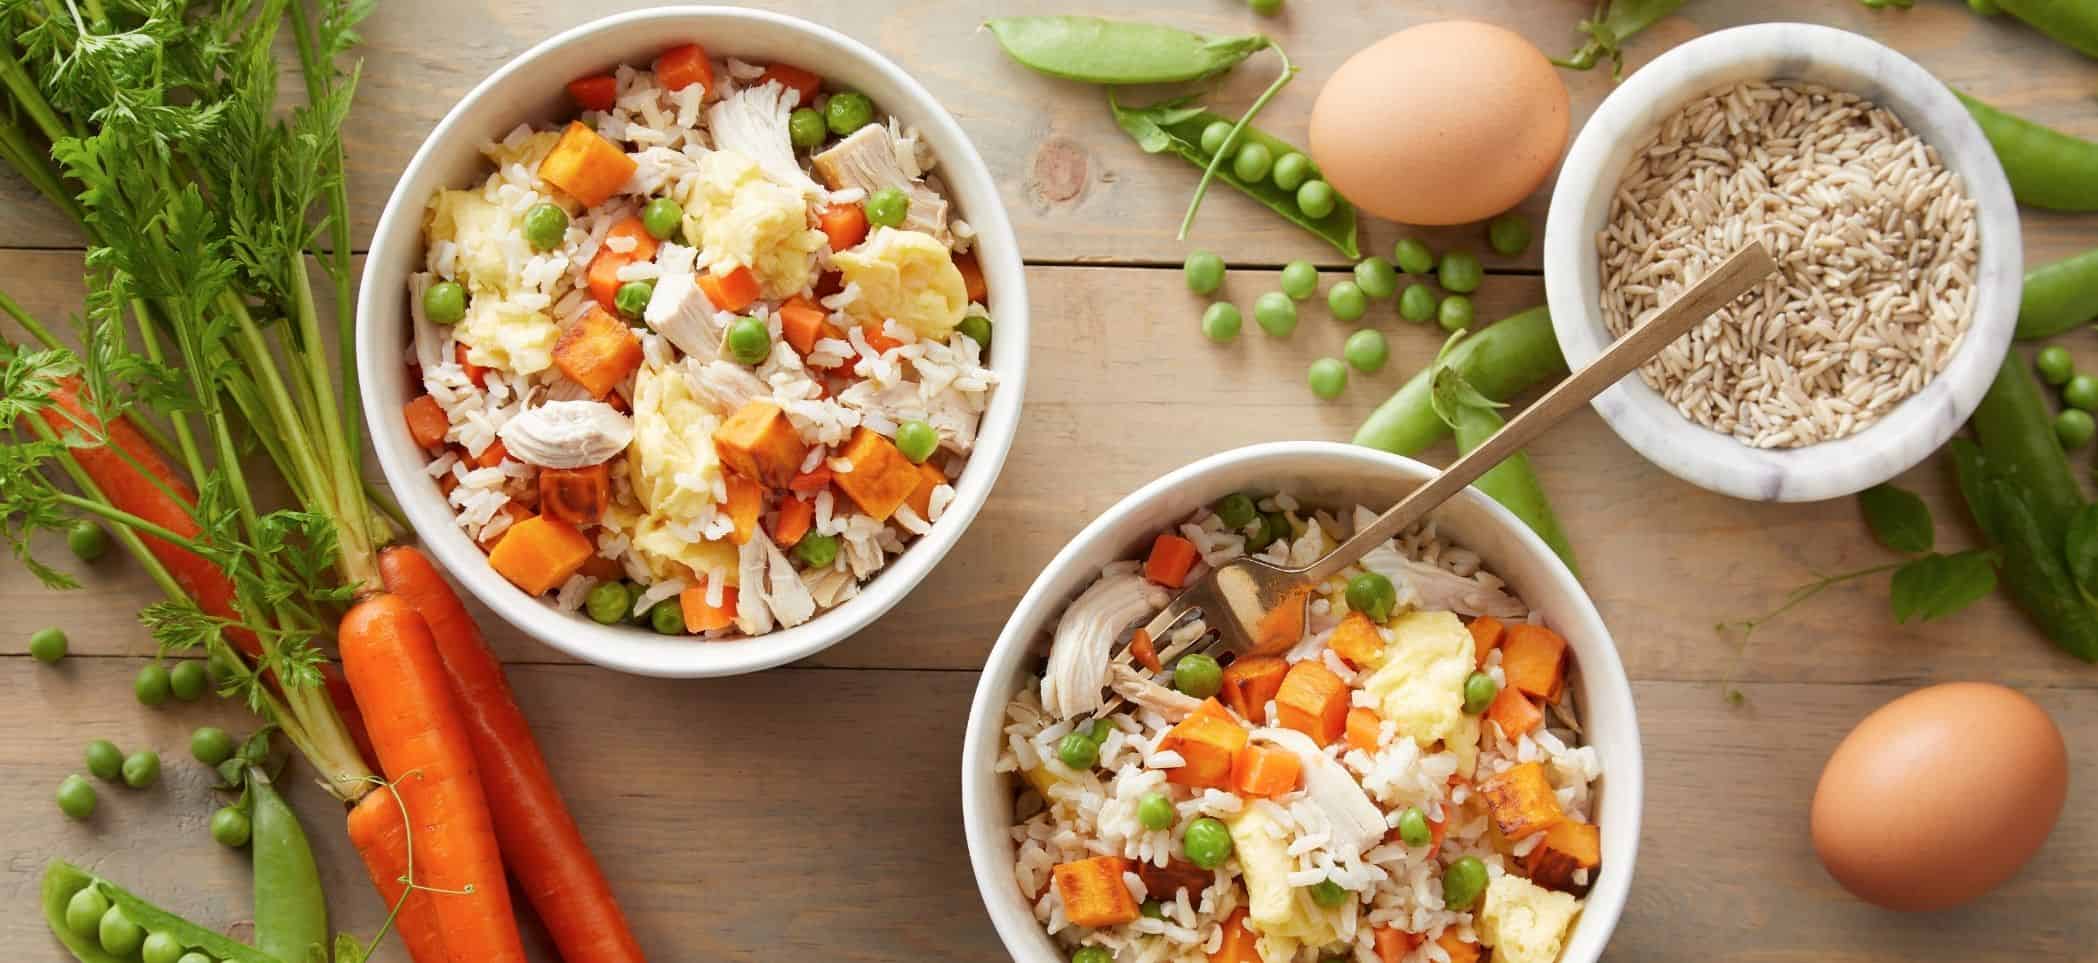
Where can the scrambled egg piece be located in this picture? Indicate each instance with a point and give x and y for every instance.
(1420, 686)
(1524, 922)
(1285, 916)
(499, 334)
(742, 217)
(480, 228)
(673, 435)
(906, 275)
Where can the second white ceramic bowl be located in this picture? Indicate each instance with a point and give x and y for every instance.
(1317, 474)
(1781, 52)
(530, 89)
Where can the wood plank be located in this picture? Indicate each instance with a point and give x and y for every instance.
(741, 817)
(1076, 188)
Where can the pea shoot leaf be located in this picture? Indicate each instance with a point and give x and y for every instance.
(1937, 585)
(1898, 518)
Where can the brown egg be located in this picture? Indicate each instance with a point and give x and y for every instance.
(1940, 795)
(1444, 123)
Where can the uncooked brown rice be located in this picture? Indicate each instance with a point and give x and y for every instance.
(1875, 239)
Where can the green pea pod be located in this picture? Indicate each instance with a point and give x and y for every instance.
(1115, 52)
(2073, 22)
(1512, 482)
(1500, 360)
(1612, 26)
(291, 910)
(1176, 127)
(2059, 296)
(2047, 168)
(62, 880)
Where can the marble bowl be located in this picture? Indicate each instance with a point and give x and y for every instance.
(1781, 52)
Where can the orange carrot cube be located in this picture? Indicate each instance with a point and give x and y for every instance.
(803, 322)
(1171, 558)
(803, 82)
(1521, 801)
(881, 478)
(540, 553)
(1357, 640)
(920, 500)
(1250, 682)
(682, 66)
(1393, 943)
(1265, 771)
(701, 617)
(1313, 701)
(586, 166)
(1459, 950)
(759, 442)
(492, 455)
(972, 276)
(427, 423)
(1093, 892)
(1208, 741)
(1533, 657)
(732, 290)
(599, 92)
(1486, 634)
(1241, 944)
(796, 516)
(598, 352)
(746, 501)
(844, 224)
(1365, 729)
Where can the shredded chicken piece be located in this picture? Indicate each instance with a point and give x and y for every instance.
(753, 122)
(681, 313)
(567, 434)
(1434, 589)
(867, 160)
(723, 385)
(753, 614)
(784, 591)
(1085, 635)
(1357, 824)
(1144, 691)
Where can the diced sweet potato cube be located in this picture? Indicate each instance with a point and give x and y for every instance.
(1515, 712)
(1093, 892)
(1283, 626)
(929, 478)
(1161, 882)
(1521, 801)
(575, 495)
(746, 501)
(880, 479)
(540, 553)
(1567, 846)
(1533, 657)
(1459, 950)
(1265, 771)
(598, 352)
(1313, 701)
(1241, 944)
(759, 442)
(1357, 640)
(1365, 729)
(1208, 741)
(586, 166)
(1486, 634)
(1250, 683)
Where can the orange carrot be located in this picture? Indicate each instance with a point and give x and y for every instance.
(746, 501)
(600, 92)
(795, 517)
(804, 82)
(1145, 654)
(1486, 634)
(427, 423)
(701, 617)
(1460, 951)
(539, 839)
(1393, 943)
(811, 482)
(1241, 944)
(492, 455)
(1265, 771)
(380, 835)
(972, 276)
(1313, 701)
(474, 373)
(1364, 729)
(682, 66)
(844, 224)
(1172, 557)
(733, 291)
(421, 735)
(802, 323)
(603, 274)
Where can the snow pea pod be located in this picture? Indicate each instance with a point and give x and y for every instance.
(1513, 483)
(1501, 360)
(2073, 22)
(291, 909)
(2059, 296)
(2047, 168)
(1099, 51)
(1176, 127)
(62, 880)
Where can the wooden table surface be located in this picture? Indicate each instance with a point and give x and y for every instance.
(812, 812)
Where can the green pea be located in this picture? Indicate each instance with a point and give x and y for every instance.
(2081, 392)
(47, 645)
(1414, 830)
(118, 935)
(1253, 163)
(444, 302)
(210, 745)
(1152, 909)
(1266, 8)
(1273, 525)
(1366, 351)
(917, 440)
(661, 217)
(977, 328)
(1316, 199)
(87, 540)
(1291, 171)
(1078, 751)
(848, 111)
(2055, 365)
(1347, 302)
(1462, 883)
(1204, 271)
(195, 957)
(1221, 322)
(161, 948)
(1373, 595)
(2074, 428)
(1092, 954)
(84, 911)
(1155, 811)
(748, 340)
(1213, 137)
(817, 550)
(1413, 257)
(1479, 690)
(667, 617)
(152, 687)
(887, 207)
(1377, 278)
(806, 128)
(1276, 314)
(637, 617)
(1455, 313)
(1417, 303)
(188, 680)
(1328, 893)
(76, 797)
(1235, 510)
(1460, 272)
(105, 760)
(1328, 377)
(1508, 234)
(142, 769)
(607, 603)
(1207, 842)
(544, 227)
(1098, 731)
(1198, 675)
(633, 297)
(1299, 280)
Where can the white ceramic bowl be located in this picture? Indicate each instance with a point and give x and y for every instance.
(530, 89)
(1318, 474)
(1581, 206)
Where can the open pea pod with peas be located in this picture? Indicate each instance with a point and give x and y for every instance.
(101, 922)
(1177, 127)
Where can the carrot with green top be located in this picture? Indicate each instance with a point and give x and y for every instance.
(380, 834)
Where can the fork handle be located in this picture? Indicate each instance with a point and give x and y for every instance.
(1732, 278)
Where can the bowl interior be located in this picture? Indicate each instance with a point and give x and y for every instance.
(1318, 474)
(521, 92)
(1781, 52)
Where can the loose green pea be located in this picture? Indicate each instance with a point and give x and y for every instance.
(2074, 428)
(888, 207)
(1207, 842)
(667, 617)
(1366, 351)
(1092, 954)
(806, 128)
(633, 297)
(1204, 272)
(195, 957)
(748, 340)
(161, 948)
(1347, 302)
(2081, 392)
(188, 681)
(1414, 830)
(1417, 304)
(1273, 526)
(118, 935)
(1328, 893)
(1078, 751)
(76, 797)
(87, 540)
(105, 760)
(1198, 675)
(1299, 280)
(1328, 377)
(444, 302)
(1155, 811)
(1266, 8)
(848, 111)
(1253, 163)
(47, 645)
(142, 769)
(1152, 909)
(1413, 257)
(1291, 171)
(1509, 234)
(1373, 595)
(1316, 199)
(1377, 278)
(1221, 322)
(917, 440)
(1276, 314)
(1455, 313)
(210, 745)
(1462, 883)
(661, 218)
(1235, 510)
(1479, 690)
(1460, 272)
(84, 911)
(2055, 365)
(544, 227)
(607, 603)
(152, 687)
(1213, 137)
(978, 329)
(817, 550)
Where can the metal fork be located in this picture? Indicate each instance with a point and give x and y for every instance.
(1253, 607)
